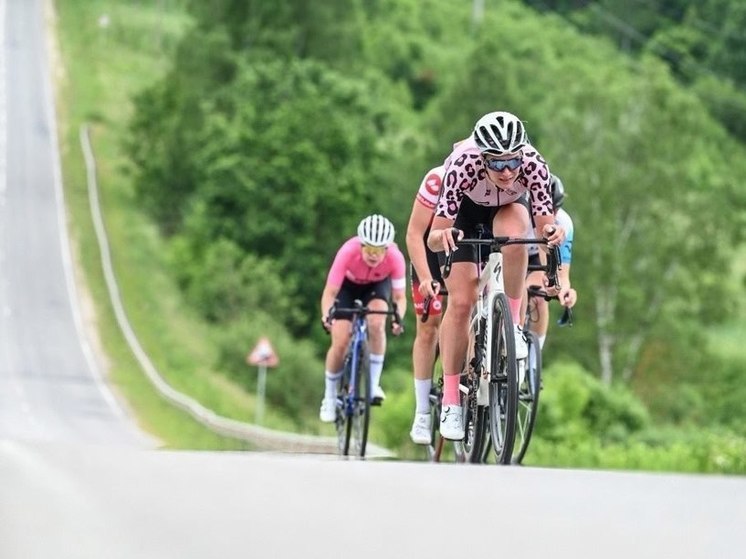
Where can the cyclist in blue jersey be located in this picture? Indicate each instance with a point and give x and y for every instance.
(567, 296)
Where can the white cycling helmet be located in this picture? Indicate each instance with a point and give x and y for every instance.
(499, 133)
(375, 230)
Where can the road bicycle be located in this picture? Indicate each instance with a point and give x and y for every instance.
(490, 379)
(354, 390)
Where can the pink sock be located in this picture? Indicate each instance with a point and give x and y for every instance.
(515, 309)
(451, 396)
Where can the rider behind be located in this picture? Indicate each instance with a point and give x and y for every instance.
(485, 179)
(371, 268)
(426, 284)
(567, 296)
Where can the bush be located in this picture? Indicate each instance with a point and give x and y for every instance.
(575, 405)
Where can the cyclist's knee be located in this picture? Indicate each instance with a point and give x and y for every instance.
(426, 333)
(460, 307)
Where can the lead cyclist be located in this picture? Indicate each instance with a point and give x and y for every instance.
(485, 180)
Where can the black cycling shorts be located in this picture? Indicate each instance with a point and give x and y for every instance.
(366, 292)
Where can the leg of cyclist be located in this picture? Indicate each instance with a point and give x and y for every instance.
(378, 299)
(424, 351)
(512, 220)
(340, 333)
(454, 337)
(538, 310)
(377, 345)
(461, 285)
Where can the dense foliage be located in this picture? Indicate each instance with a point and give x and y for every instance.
(282, 124)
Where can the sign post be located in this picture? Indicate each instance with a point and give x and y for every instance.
(263, 356)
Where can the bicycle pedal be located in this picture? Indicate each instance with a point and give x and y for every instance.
(376, 401)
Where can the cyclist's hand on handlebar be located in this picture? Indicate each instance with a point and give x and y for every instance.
(429, 288)
(567, 297)
(326, 321)
(397, 328)
(551, 291)
(554, 234)
(449, 237)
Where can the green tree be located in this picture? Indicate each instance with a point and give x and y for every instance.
(290, 156)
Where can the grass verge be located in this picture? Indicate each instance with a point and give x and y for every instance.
(107, 51)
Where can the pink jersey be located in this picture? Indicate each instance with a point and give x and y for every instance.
(466, 175)
(349, 264)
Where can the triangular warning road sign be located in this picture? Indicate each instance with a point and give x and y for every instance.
(263, 354)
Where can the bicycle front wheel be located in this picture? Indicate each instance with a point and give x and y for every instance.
(359, 421)
(528, 397)
(503, 388)
(475, 412)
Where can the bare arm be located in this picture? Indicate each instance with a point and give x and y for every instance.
(327, 300)
(399, 297)
(567, 295)
(419, 220)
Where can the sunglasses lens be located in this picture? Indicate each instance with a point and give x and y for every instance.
(500, 164)
(374, 251)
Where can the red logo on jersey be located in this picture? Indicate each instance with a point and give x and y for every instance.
(432, 183)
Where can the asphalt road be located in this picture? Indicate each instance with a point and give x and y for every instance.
(50, 386)
(78, 480)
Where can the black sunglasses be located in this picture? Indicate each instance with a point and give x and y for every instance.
(500, 164)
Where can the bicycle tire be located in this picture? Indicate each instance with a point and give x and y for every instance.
(503, 386)
(528, 399)
(343, 399)
(435, 448)
(475, 420)
(359, 421)
(475, 415)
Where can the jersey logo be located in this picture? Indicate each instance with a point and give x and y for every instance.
(432, 184)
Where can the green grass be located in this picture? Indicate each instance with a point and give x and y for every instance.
(101, 69)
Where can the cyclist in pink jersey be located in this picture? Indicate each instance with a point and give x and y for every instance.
(371, 268)
(486, 181)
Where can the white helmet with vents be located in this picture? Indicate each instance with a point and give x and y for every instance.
(375, 230)
(500, 133)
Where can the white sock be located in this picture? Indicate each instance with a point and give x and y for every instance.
(542, 339)
(376, 367)
(422, 395)
(331, 381)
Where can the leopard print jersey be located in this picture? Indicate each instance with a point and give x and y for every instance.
(466, 175)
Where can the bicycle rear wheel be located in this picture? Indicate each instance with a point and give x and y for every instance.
(503, 391)
(528, 398)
